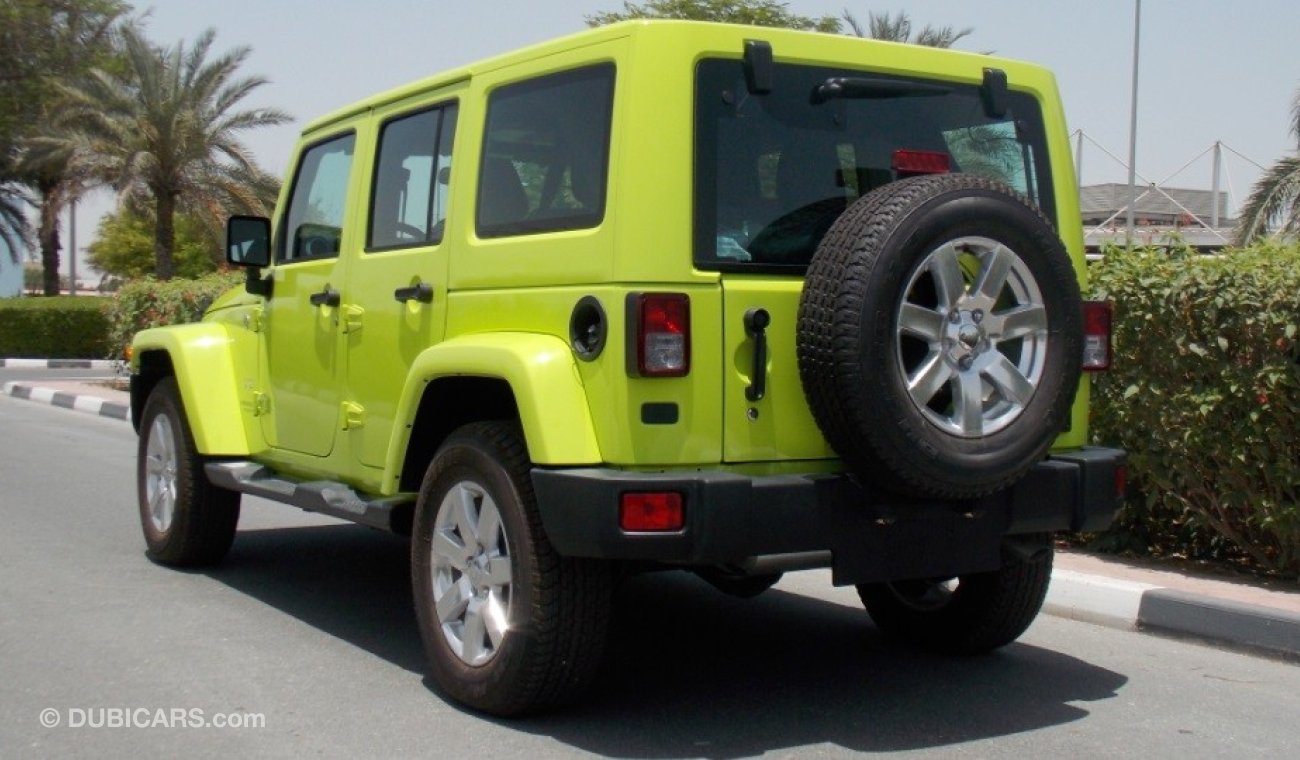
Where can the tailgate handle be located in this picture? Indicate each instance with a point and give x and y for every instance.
(756, 322)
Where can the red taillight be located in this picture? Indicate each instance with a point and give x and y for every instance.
(1121, 481)
(651, 512)
(661, 334)
(909, 163)
(1096, 335)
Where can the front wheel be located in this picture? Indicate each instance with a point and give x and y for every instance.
(509, 626)
(970, 614)
(187, 521)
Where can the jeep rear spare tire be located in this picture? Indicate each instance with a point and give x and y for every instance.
(939, 336)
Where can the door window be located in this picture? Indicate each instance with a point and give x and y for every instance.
(408, 206)
(314, 225)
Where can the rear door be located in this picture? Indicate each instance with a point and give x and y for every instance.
(396, 301)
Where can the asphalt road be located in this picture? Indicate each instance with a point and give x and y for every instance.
(309, 626)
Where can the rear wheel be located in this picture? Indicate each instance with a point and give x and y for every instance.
(509, 626)
(187, 521)
(970, 614)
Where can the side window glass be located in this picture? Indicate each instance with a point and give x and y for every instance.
(409, 202)
(314, 225)
(546, 154)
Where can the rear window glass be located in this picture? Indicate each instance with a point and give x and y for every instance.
(773, 171)
(546, 154)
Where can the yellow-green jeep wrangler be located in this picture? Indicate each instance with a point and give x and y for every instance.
(658, 295)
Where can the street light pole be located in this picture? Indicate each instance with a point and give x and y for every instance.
(72, 254)
(1133, 121)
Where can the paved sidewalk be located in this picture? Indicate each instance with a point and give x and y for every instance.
(1244, 613)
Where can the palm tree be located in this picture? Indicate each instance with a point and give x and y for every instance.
(53, 181)
(164, 131)
(899, 29)
(1275, 199)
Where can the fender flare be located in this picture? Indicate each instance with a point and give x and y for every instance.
(543, 376)
(202, 359)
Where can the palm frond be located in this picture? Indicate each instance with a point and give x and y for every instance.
(169, 125)
(14, 230)
(1274, 202)
(1295, 118)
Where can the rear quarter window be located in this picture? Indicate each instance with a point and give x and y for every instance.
(546, 154)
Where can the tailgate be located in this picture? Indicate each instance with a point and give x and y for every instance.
(778, 426)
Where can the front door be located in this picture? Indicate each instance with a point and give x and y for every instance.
(302, 313)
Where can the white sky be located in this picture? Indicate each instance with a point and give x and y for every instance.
(1210, 70)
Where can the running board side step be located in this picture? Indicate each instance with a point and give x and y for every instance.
(327, 497)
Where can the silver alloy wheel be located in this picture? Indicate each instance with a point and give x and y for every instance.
(978, 311)
(471, 573)
(161, 460)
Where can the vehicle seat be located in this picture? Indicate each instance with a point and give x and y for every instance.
(501, 197)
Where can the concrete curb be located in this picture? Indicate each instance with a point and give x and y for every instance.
(88, 404)
(1248, 626)
(1137, 606)
(1095, 599)
(59, 363)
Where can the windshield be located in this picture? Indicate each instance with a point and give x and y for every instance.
(773, 171)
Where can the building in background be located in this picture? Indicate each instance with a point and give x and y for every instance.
(11, 275)
(1158, 213)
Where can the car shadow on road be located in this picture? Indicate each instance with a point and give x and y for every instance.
(348, 581)
(690, 672)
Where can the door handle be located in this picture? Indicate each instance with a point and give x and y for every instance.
(327, 297)
(756, 322)
(420, 291)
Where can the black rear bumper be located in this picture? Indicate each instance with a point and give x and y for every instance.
(871, 536)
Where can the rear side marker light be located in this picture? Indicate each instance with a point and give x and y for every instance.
(659, 334)
(909, 163)
(655, 512)
(1097, 319)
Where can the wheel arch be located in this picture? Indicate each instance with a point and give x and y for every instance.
(525, 377)
(201, 358)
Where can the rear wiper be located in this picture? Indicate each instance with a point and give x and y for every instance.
(866, 88)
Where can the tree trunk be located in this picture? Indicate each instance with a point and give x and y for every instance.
(164, 239)
(48, 235)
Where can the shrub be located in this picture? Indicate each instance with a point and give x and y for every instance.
(58, 327)
(148, 302)
(1205, 396)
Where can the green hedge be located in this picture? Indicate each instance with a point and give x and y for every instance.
(148, 302)
(1205, 396)
(58, 327)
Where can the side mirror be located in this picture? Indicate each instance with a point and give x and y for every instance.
(248, 241)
